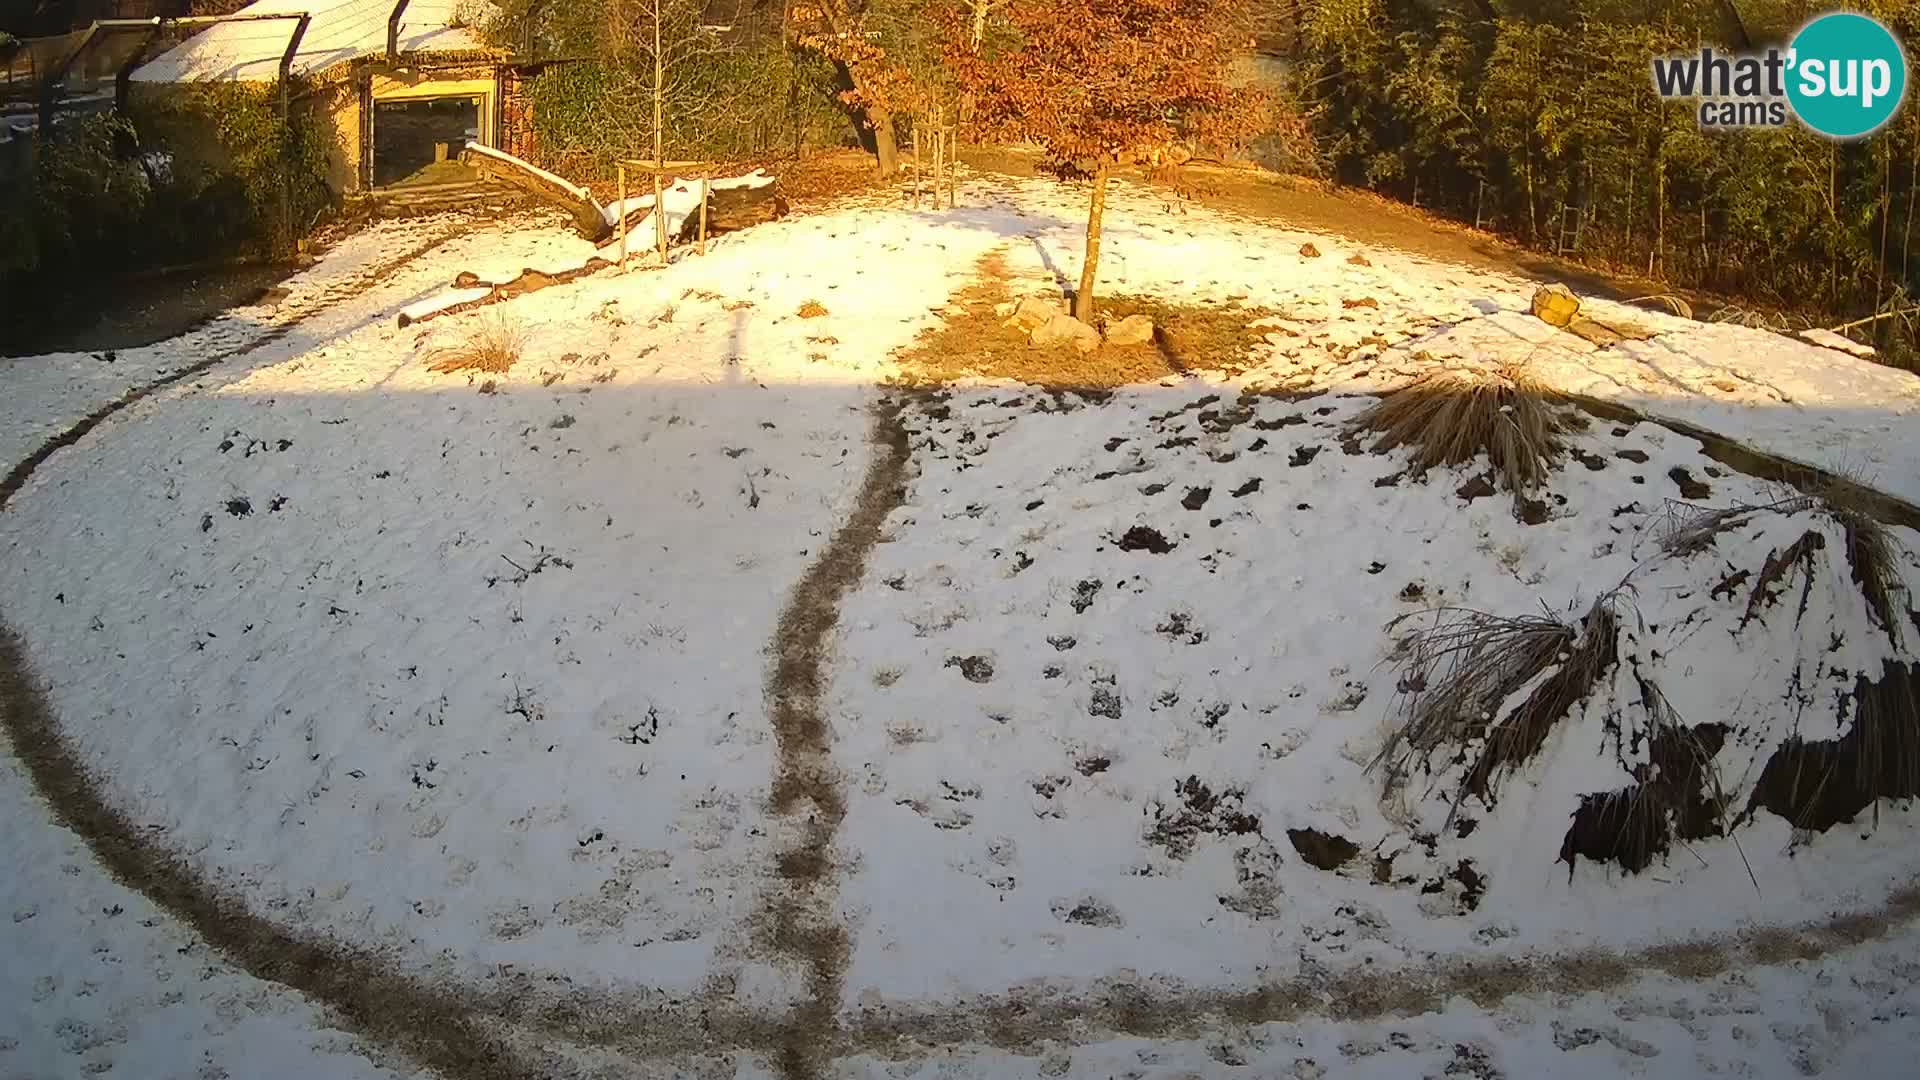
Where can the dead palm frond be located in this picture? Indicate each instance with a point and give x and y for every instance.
(1450, 417)
(1874, 554)
(491, 345)
(1458, 676)
(1689, 528)
(1816, 785)
(1677, 794)
(1666, 300)
(1751, 318)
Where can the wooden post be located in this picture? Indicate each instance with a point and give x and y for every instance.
(659, 217)
(918, 175)
(704, 189)
(622, 223)
(953, 158)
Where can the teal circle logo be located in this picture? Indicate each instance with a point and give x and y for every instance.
(1846, 75)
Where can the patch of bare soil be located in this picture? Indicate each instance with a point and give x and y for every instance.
(974, 341)
(1026, 1018)
(800, 920)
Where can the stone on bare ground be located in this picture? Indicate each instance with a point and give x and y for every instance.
(1034, 312)
(1132, 330)
(1067, 330)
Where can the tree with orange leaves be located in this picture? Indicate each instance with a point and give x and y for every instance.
(859, 38)
(1106, 83)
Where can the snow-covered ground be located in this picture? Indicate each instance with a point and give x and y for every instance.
(469, 669)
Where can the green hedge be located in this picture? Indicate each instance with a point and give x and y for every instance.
(240, 177)
(188, 174)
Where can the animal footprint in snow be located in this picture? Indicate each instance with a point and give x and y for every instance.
(1087, 911)
(1283, 744)
(1350, 698)
(460, 871)
(943, 815)
(509, 924)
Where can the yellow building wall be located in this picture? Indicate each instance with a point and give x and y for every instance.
(340, 110)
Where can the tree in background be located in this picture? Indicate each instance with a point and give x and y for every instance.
(1107, 83)
(864, 39)
(1538, 119)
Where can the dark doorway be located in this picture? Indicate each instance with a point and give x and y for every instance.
(419, 142)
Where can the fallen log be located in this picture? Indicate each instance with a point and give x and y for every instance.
(734, 208)
(588, 219)
(527, 281)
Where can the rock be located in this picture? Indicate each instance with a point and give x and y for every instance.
(1132, 330)
(1308, 251)
(1067, 330)
(1555, 305)
(1034, 312)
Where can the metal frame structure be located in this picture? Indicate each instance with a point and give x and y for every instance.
(123, 76)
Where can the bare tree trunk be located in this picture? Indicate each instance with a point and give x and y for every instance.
(1656, 259)
(1833, 215)
(918, 173)
(1913, 196)
(1090, 265)
(659, 127)
(1533, 220)
(705, 190)
(1886, 222)
(953, 155)
(885, 148)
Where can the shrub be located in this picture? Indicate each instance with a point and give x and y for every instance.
(239, 175)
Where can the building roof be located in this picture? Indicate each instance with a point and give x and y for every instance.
(340, 31)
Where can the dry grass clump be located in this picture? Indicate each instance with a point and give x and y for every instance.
(491, 345)
(1450, 417)
(1672, 303)
(1458, 675)
(973, 341)
(812, 309)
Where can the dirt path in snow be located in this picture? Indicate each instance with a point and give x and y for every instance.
(800, 921)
